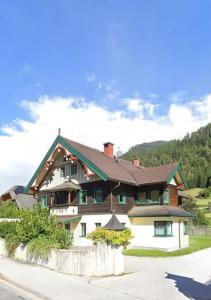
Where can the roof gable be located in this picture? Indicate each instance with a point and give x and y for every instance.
(109, 168)
(60, 140)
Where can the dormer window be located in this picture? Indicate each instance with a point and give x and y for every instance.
(74, 169)
(62, 171)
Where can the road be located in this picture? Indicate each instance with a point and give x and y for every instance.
(171, 278)
(9, 293)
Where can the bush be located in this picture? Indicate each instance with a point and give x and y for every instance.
(63, 237)
(204, 193)
(35, 223)
(200, 219)
(12, 243)
(111, 237)
(42, 246)
(7, 228)
(38, 229)
(9, 209)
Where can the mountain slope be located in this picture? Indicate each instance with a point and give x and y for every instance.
(193, 152)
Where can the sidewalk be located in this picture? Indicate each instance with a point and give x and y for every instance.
(48, 284)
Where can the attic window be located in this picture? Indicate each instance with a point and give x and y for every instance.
(74, 169)
(62, 171)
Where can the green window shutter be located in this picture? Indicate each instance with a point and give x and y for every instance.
(44, 201)
(82, 197)
(98, 196)
(155, 197)
(142, 198)
(166, 197)
(122, 197)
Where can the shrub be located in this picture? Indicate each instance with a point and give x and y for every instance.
(41, 247)
(7, 228)
(38, 229)
(189, 204)
(111, 237)
(204, 193)
(9, 209)
(200, 219)
(11, 243)
(35, 223)
(63, 237)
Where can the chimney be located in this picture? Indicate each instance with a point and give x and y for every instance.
(136, 162)
(109, 149)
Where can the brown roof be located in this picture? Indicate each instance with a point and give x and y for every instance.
(122, 170)
(154, 174)
(159, 211)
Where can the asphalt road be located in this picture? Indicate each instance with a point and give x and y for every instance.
(7, 293)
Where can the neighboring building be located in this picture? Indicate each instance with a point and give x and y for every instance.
(16, 193)
(84, 187)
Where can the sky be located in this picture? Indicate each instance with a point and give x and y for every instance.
(125, 71)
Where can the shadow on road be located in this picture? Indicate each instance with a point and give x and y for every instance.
(191, 288)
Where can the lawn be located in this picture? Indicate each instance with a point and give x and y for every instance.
(196, 243)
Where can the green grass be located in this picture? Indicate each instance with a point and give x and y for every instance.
(196, 243)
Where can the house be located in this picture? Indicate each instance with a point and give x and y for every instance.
(16, 193)
(85, 187)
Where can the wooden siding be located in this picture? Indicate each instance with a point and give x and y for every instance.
(111, 191)
(173, 193)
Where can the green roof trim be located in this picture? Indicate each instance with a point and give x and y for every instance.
(178, 169)
(60, 140)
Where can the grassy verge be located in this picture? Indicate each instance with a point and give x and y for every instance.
(196, 243)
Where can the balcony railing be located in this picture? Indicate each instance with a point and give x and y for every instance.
(64, 210)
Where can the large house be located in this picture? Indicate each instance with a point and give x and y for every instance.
(85, 187)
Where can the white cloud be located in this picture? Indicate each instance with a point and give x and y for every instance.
(140, 106)
(25, 142)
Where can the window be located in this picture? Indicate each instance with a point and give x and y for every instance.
(163, 228)
(44, 201)
(185, 228)
(83, 229)
(82, 197)
(62, 171)
(141, 198)
(166, 197)
(73, 168)
(98, 196)
(122, 197)
(154, 196)
(61, 198)
(98, 225)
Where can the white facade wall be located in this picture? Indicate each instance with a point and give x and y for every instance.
(142, 230)
(90, 221)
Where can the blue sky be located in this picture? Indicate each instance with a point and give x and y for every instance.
(137, 47)
(127, 71)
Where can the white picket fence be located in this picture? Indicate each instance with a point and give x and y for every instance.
(99, 260)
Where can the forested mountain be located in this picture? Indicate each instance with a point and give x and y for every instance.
(193, 152)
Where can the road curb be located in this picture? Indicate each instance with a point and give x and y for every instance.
(21, 288)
